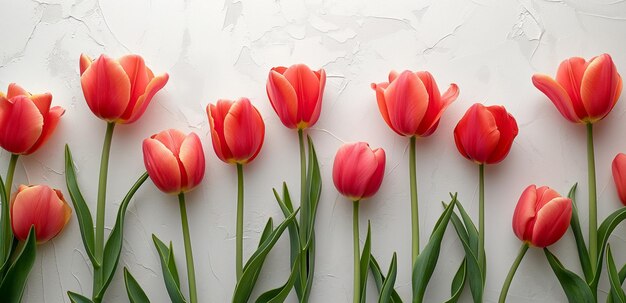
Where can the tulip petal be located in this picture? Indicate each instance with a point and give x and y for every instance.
(43, 102)
(382, 104)
(353, 167)
(155, 85)
(106, 88)
(599, 87)
(50, 122)
(477, 134)
(40, 206)
(21, 124)
(192, 158)
(244, 130)
(377, 177)
(544, 195)
(162, 166)
(84, 63)
(135, 68)
(216, 114)
(16, 90)
(436, 104)
(619, 175)
(569, 77)
(507, 126)
(317, 107)
(558, 96)
(307, 87)
(407, 101)
(172, 139)
(392, 75)
(552, 222)
(283, 98)
(524, 215)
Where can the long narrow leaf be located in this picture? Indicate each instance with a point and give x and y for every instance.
(6, 237)
(379, 279)
(575, 288)
(170, 273)
(133, 289)
(267, 232)
(76, 298)
(458, 282)
(294, 231)
(581, 246)
(473, 235)
(278, 295)
(604, 232)
(12, 287)
(365, 262)
(386, 291)
(617, 293)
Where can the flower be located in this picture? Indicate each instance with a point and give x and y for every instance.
(42, 207)
(583, 92)
(411, 103)
(485, 134)
(296, 94)
(26, 121)
(541, 216)
(358, 170)
(619, 176)
(118, 90)
(174, 161)
(237, 130)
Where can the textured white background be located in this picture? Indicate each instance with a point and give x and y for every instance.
(224, 49)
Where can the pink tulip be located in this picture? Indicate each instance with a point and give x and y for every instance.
(26, 121)
(118, 90)
(411, 103)
(296, 94)
(619, 176)
(237, 130)
(358, 170)
(42, 207)
(541, 216)
(485, 134)
(174, 161)
(583, 92)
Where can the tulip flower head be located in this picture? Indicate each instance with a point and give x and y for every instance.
(485, 134)
(26, 121)
(174, 161)
(118, 90)
(411, 103)
(42, 207)
(541, 216)
(296, 94)
(619, 176)
(358, 170)
(237, 130)
(583, 91)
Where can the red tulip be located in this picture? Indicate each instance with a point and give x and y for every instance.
(619, 176)
(118, 90)
(296, 94)
(583, 92)
(541, 216)
(358, 170)
(485, 134)
(174, 161)
(26, 121)
(411, 103)
(41, 206)
(237, 130)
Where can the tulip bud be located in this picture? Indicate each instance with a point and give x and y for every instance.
(411, 103)
(118, 90)
(174, 161)
(42, 207)
(358, 170)
(541, 216)
(237, 130)
(485, 134)
(619, 176)
(296, 94)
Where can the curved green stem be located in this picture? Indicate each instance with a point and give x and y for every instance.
(481, 214)
(415, 225)
(239, 237)
(101, 206)
(593, 211)
(191, 273)
(304, 213)
(357, 253)
(10, 173)
(509, 277)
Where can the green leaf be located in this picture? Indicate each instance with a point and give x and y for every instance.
(170, 273)
(278, 295)
(12, 287)
(133, 289)
(246, 283)
(294, 231)
(427, 259)
(458, 282)
(379, 279)
(310, 253)
(583, 253)
(6, 237)
(314, 187)
(365, 262)
(267, 231)
(76, 298)
(387, 290)
(473, 235)
(113, 246)
(85, 221)
(604, 232)
(617, 293)
(575, 288)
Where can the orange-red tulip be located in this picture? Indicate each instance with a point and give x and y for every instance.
(411, 103)
(41, 206)
(237, 130)
(174, 161)
(296, 94)
(619, 176)
(358, 170)
(541, 216)
(485, 133)
(26, 121)
(118, 90)
(584, 91)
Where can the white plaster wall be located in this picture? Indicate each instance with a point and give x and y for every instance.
(224, 49)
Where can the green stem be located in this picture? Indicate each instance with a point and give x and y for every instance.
(481, 214)
(304, 213)
(101, 206)
(415, 225)
(191, 274)
(7, 232)
(509, 277)
(10, 172)
(593, 211)
(239, 237)
(357, 254)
